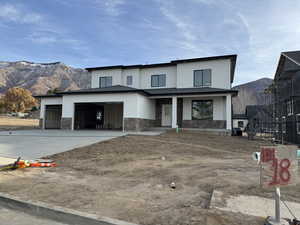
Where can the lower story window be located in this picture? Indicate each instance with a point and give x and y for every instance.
(202, 110)
(240, 124)
(298, 123)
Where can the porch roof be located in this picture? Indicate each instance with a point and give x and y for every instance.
(188, 91)
(147, 92)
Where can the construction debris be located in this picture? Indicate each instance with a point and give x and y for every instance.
(28, 163)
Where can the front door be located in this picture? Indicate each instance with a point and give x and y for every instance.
(166, 117)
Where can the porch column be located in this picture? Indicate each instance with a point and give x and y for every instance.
(228, 113)
(174, 112)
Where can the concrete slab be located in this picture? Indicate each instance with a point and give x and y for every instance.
(252, 205)
(5, 160)
(12, 217)
(31, 144)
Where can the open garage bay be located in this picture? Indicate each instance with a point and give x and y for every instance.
(108, 116)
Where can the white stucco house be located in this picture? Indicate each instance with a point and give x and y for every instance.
(189, 93)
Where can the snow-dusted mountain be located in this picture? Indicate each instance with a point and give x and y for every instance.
(41, 77)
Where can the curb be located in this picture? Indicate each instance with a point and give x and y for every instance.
(56, 213)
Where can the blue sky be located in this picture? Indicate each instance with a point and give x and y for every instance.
(86, 33)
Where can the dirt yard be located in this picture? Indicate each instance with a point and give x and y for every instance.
(129, 178)
(7, 123)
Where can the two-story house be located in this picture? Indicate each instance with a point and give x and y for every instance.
(189, 93)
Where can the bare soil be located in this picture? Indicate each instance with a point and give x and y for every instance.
(129, 178)
(12, 123)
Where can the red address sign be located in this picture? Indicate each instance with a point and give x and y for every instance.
(278, 166)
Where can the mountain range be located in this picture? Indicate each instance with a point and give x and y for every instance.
(251, 93)
(42, 77)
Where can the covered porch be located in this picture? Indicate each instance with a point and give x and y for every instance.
(206, 112)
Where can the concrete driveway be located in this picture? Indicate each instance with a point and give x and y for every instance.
(32, 144)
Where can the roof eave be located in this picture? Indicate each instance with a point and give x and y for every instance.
(103, 92)
(234, 92)
(48, 96)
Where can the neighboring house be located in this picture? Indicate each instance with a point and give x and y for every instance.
(260, 117)
(189, 93)
(286, 90)
(239, 121)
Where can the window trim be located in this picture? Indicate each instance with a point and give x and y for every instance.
(158, 76)
(106, 77)
(202, 70)
(131, 77)
(212, 106)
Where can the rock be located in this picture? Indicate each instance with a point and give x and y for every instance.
(159, 186)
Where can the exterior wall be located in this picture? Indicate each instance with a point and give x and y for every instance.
(116, 75)
(219, 110)
(130, 102)
(137, 124)
(204, 124)
(220, 73)
(135, 73)
(180, 75)
(146, 107)
(170, 72)
(66, 123)
(135, 106)
(141, 77)
(41, 123)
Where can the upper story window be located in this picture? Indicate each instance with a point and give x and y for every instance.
(105, 82)
(158, 80)
(202, 78)
(129, 80)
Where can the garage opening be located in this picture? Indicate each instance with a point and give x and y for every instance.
(108, 116)
(53, 116)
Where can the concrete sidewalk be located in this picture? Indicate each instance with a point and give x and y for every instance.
(252, 205)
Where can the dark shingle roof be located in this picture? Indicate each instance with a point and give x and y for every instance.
(292, 56)
(148, 92)
(112, 89)
(186, 91)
